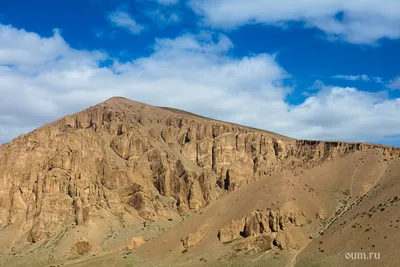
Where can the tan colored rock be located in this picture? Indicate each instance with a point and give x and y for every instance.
(238, 173)
(253, 226)
(144, 205)
(169, 134)
(257, 243)
(263, 218)
(193, 238)
(257, 223)
(295, 219)
(82, 247)
(196, 200)
(134, 243)
(321, 215)
(129, 145)
(263, 242)
(284, 241)
(183, 208)
(207, 181)
(231, 231)
(274, 220)
(37, 233)
(78, 211)
(224, 150)
(204, 153)
(283, 221)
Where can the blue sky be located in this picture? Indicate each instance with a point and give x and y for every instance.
(308, 69)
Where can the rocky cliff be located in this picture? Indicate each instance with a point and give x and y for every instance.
(129, 159)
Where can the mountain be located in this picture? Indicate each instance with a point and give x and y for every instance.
(124, 183)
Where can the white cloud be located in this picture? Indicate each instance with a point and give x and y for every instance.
(356, 21)
(347, 113)
(352, 77)
(394, 84)
(123, 20)
(191, 72)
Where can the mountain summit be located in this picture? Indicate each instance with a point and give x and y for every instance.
(124, 183)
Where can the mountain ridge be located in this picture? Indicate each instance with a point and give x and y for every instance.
(128, 170)
(182, 112)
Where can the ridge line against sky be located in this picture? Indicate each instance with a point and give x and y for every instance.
(326, 70)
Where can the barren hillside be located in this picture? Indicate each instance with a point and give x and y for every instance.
(123, 183)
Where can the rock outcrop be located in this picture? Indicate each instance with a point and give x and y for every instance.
(256, 223)
(231, 231)
(321, 215)
(260, 230)
(285, 242)
(193, 238)
(125, 158)
(134, 243)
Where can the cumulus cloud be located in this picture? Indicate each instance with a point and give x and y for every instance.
(347, 113)
(123, 20)
(357, 21)
(394, 84)
(44, 79)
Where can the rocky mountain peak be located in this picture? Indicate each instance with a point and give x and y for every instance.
(125, 162)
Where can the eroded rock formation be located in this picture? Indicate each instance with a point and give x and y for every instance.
(126, 158)
(193, 238)
(261, 230)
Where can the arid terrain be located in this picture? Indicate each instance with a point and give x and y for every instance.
(128, 184)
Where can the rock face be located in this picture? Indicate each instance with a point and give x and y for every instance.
(260, 230)
(231, 231)
(125, 158)
(193, 238)
(284, 241)
(135, 242)
(256, 223)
